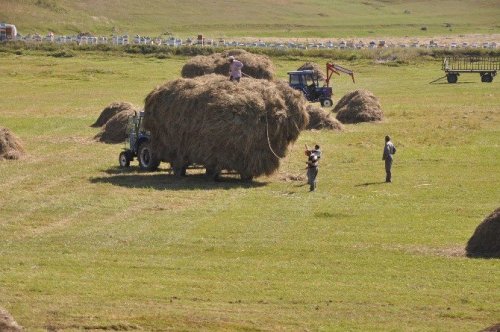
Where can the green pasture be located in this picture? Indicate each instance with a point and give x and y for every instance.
(255, 18)
(85, 245)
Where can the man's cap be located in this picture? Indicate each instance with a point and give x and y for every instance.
(388, 138)
(231, 57)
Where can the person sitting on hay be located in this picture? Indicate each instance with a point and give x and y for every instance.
(234, 69)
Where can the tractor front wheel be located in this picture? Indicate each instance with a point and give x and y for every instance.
(326, 102)
(124, 159)
(147, 158)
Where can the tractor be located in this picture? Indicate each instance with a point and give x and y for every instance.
(138, 145)
(308, 82)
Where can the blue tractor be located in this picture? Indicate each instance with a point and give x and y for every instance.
(308, 82)
(138, 146)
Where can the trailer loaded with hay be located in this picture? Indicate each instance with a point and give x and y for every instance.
(210, 121)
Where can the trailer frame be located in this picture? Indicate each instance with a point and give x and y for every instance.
(486, 66)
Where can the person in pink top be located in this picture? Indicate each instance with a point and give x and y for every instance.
(234, 69)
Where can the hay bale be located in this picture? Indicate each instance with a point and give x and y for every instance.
(322, 119)
(110, 111)
(314, 66)
(213, 122)
(7, 322)
(115, 130)
(255, 65)
(358, 106)
(485, 242)
(11, 146)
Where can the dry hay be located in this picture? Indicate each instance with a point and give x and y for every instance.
(115, 130)
(322, 119)
(254, 65)
(358, 106)
(313, 66)
(11, 146)
(223, 125)
(7, 322)
(110, 111)
(492, 328)
(485, 242)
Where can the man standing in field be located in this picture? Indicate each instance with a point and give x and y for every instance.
(389, 150)
(312, 169)
(234, 69)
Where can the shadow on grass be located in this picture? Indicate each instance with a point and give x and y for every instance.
(366, 184)
(132, 177)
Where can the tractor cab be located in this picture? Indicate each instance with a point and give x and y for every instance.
(311, 85)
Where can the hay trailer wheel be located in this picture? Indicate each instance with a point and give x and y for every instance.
(125, 158)
(326, 102)
(452, 78)
(147, 159)
(486, 77)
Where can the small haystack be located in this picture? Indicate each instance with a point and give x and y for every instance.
(7, 322)
(110, 111)
(115, 130)
(11, 146)
(313, 66)
(322, 119)
(358, 106)
(223, 125)
(254, 65)
(485, 242)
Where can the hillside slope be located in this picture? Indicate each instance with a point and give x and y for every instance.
(280, 18)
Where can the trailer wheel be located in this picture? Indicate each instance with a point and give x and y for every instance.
(212, 174)
(326, 102)
(147, 159)
(246, 178)
(452, 78)
(124, 159)
(486, 77)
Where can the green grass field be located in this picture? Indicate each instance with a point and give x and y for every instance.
(271, 18)
(85, 245)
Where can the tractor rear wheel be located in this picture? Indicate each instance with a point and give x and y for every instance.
(326, 102)
(124, 159)
(147, 158)
(452, 78)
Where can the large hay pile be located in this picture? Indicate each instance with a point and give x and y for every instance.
(254, 65)
(313, 66)
(11, 146)
(322, 119)
(110, 111)
(213, 122)
(7, 322)
(358, 106)
(485, 242)
(115, 130)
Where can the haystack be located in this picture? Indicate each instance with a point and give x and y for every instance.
(322, 119)
(7, 322)
(110, 111)
(358, 106)
(254, 65)
(223, 125)
(313, 66)
(11, 146)
(115, 130)
(485, 242)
